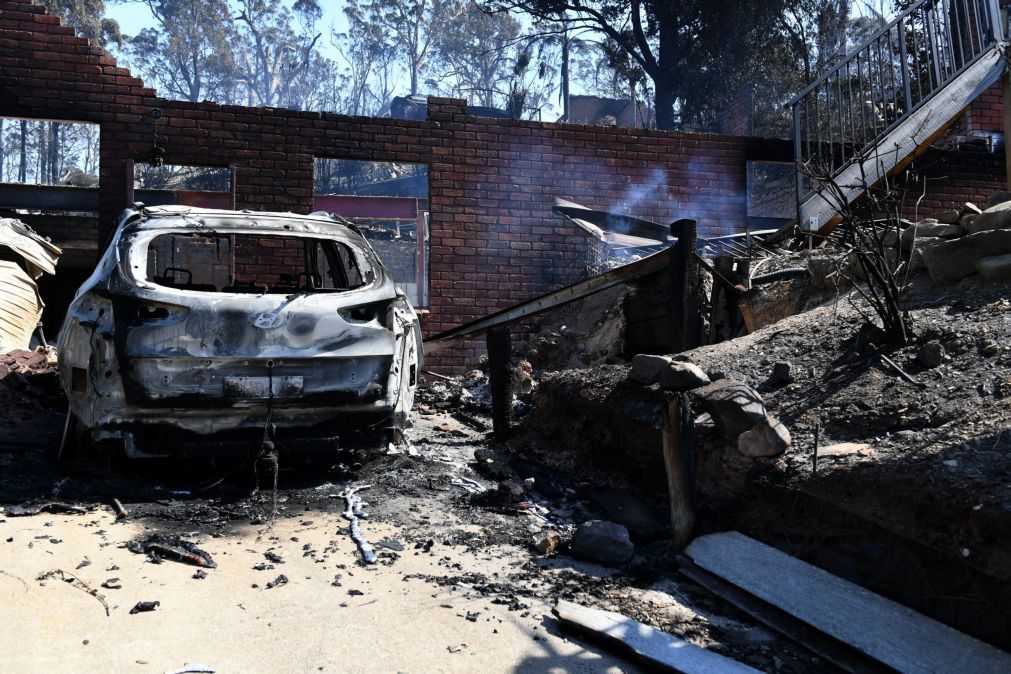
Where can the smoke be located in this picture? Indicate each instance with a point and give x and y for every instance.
(656, 188)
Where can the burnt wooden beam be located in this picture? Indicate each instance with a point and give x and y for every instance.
(679, 459)
(685, 321)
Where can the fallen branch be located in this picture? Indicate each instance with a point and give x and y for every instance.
(121, 512)
(902, 373)
(78, 583)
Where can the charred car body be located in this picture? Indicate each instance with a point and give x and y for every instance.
(203, 332)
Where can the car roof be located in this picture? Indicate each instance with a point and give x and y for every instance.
(191, 217)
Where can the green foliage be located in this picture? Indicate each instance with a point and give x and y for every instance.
(87, 18)
(189, 54)
(413, 27)
(477, 59)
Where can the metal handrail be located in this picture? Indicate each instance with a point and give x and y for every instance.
(886, 78)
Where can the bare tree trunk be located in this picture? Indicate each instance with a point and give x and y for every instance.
(54, 152)
(565, 73)
(23, 167)
(3, 156)
(41, 169)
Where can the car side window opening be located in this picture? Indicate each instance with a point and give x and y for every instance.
(254, 263)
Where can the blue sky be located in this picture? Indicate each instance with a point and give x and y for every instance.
(135, 16)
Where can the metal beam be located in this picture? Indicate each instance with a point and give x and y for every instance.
(576, 291)
(613, 222)
(48, 197)
(385, 208)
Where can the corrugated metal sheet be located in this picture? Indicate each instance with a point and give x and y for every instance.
(20, 307)
(20, 238)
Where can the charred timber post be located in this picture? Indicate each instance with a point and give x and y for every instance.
(499, 342)
(685, 324)
(679, 458)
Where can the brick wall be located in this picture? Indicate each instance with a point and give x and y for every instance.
(494, 240)
(954, 177)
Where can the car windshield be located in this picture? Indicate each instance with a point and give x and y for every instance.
(254, 263)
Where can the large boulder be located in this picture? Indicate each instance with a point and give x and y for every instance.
(947, 217)
(998, 198)
(681, 376)
(995, 268)
(647, 368)
(603, 542)
(769, 437)
(950, 261)
(734, 406)
(930, 229)
(916, 252)
(994, 217)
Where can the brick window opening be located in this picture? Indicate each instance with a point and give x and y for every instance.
(185, 185)
(43, 152)
(255, 264)
(182, 177)
(388, 201)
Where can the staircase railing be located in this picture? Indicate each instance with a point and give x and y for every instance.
(890, 75)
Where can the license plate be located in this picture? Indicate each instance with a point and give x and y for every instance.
(262, 388)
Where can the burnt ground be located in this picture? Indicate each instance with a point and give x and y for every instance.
(428, 501)
(922, 514)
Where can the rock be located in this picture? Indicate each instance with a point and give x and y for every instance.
(523, 380)
(549, 542)
(947, 217)
(782, 373)
(769, 437)
(511, 490)
(682, 377)
(823, 272)
(953, 260)
(989, 348)
(647, 368)
(489, 464)
(734, 406)
(604, 542)
(930, 355)
(855, 268)
(998, 198)
(994, 217)
(995, 268)
(965, 222)
(630, 511)
(916, 252)
(971, 209)
(890, 238)
(930, 229)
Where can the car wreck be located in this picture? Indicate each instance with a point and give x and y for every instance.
(205, 332)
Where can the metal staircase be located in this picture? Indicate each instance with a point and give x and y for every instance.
(896, 93)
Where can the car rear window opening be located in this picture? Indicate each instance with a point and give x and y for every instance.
(254, 263)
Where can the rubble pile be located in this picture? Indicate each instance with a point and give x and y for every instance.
(27, 381)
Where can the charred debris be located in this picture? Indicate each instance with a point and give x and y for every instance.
(798, 389)
(714, 422)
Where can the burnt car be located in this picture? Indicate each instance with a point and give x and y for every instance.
(204, 332)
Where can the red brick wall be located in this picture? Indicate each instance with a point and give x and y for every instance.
(986, 113)
(953, 177)
(264, 260)
(494, 240)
